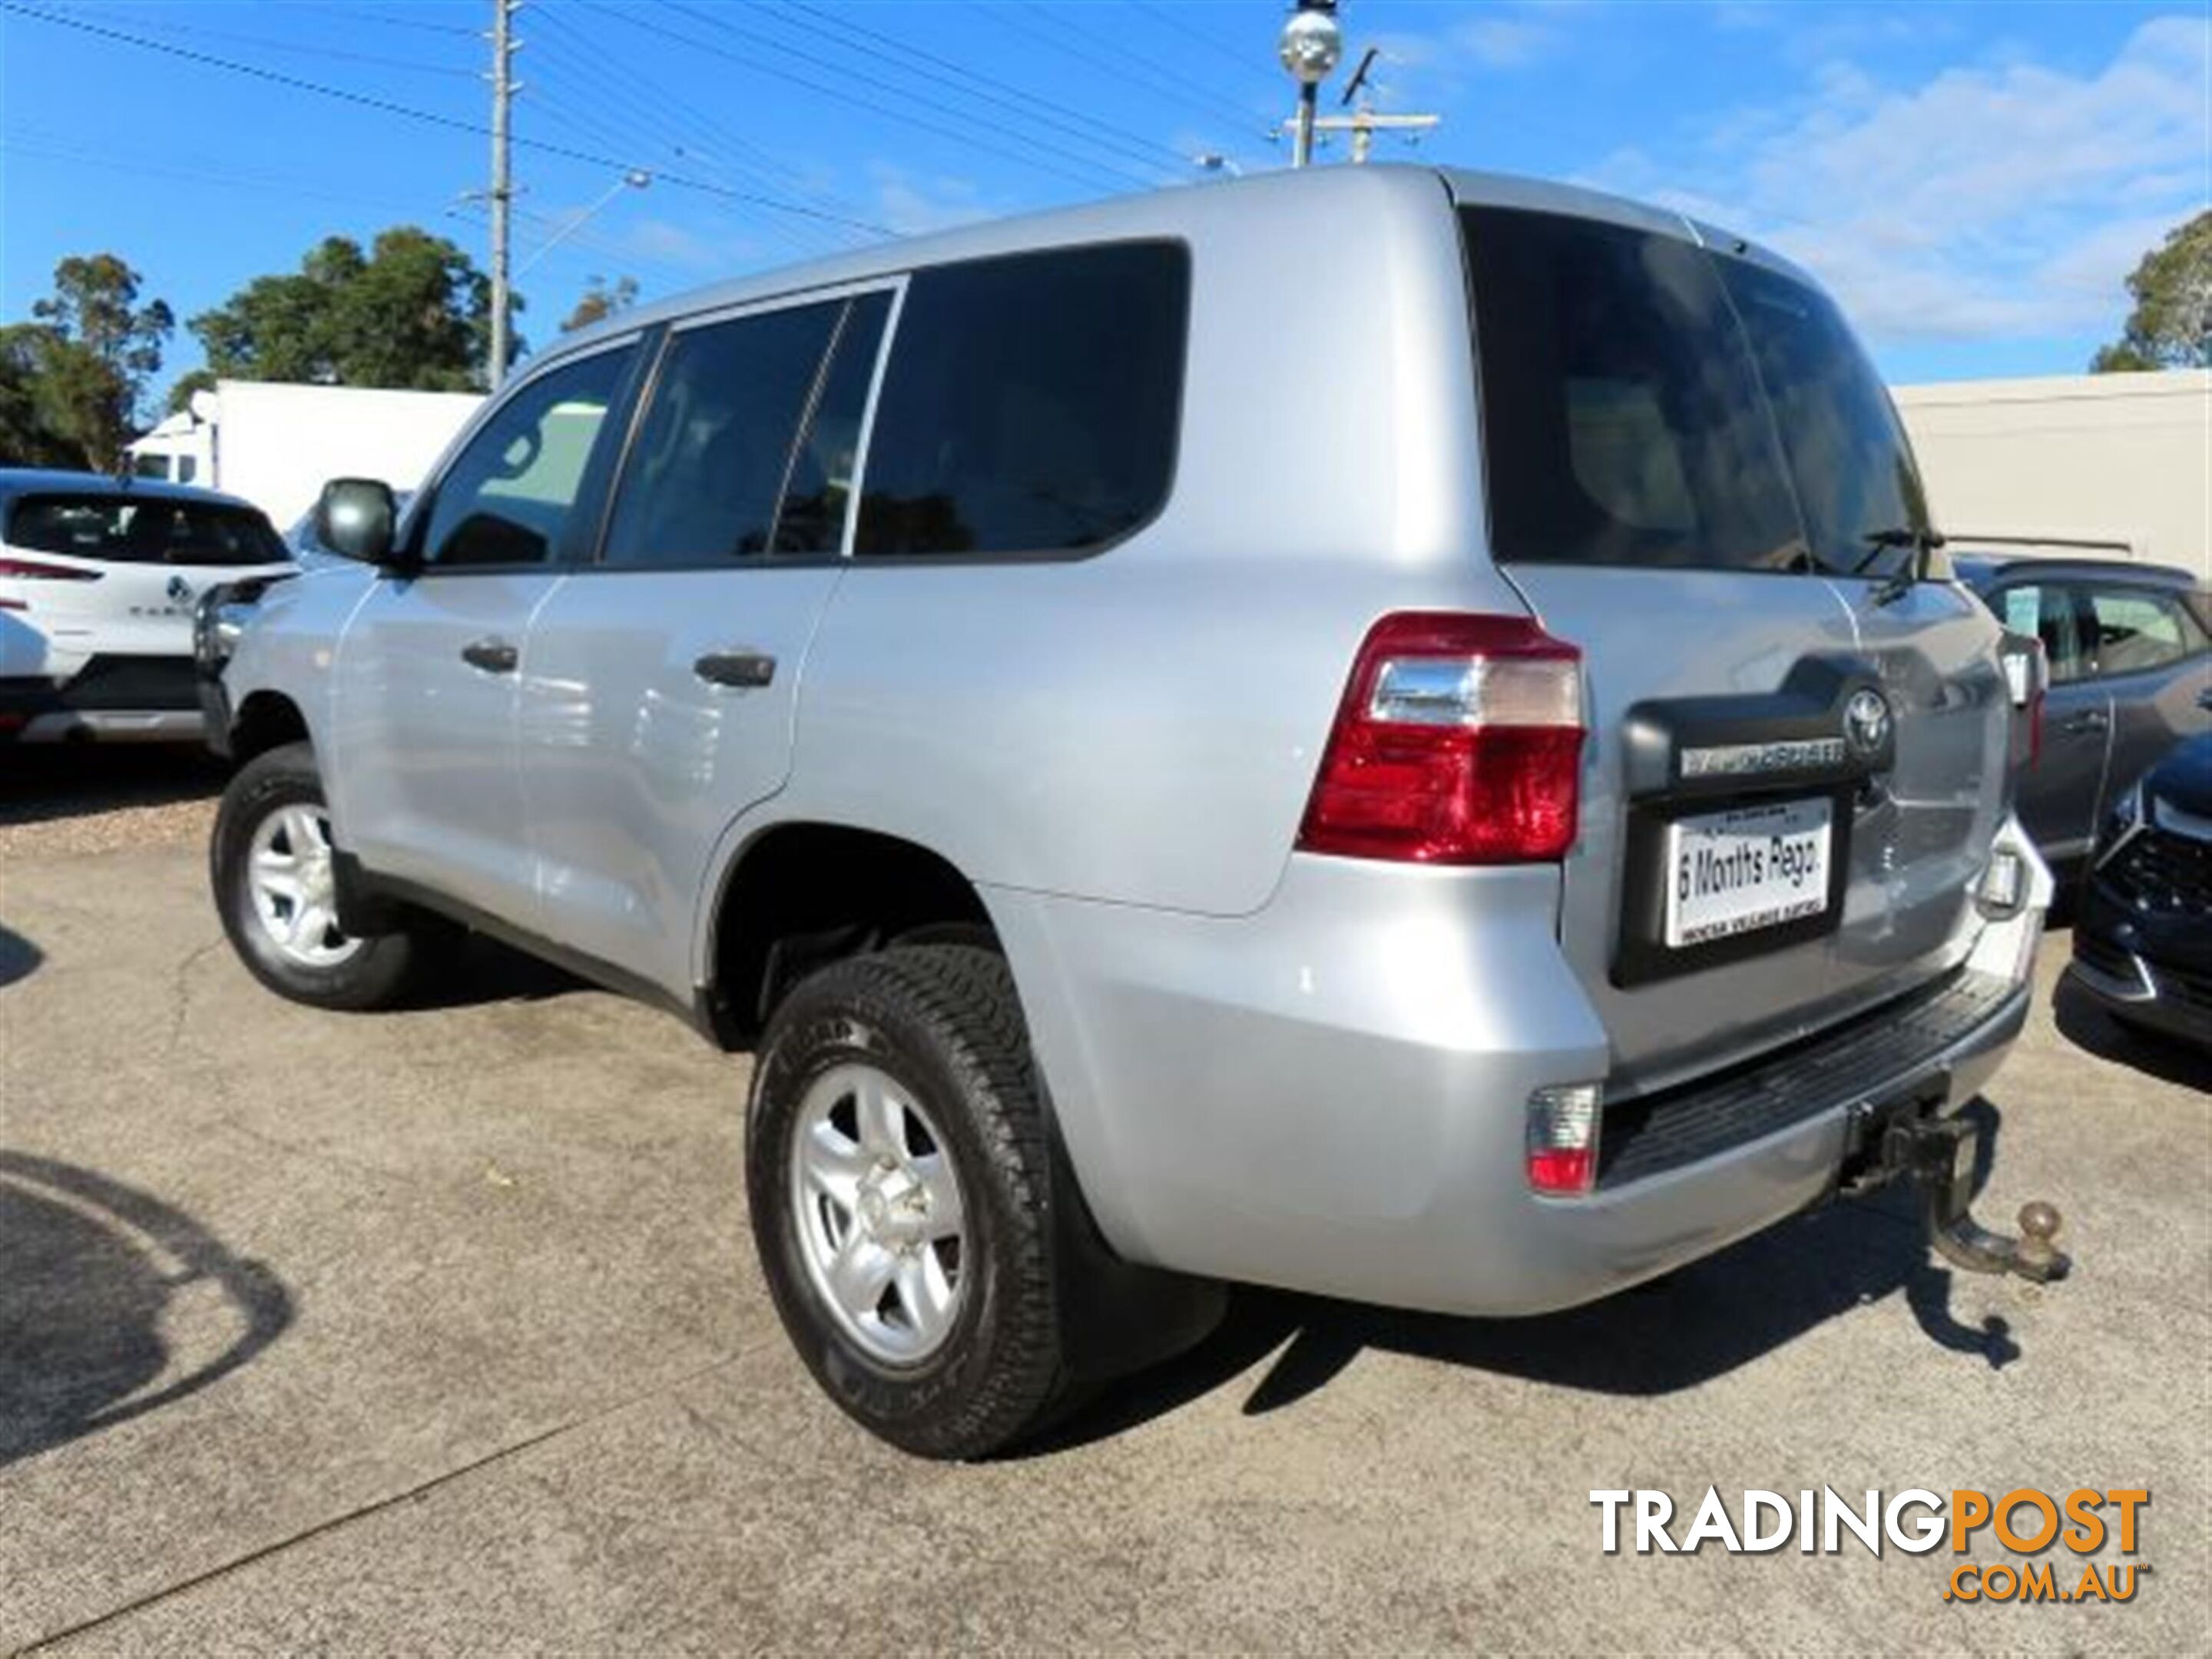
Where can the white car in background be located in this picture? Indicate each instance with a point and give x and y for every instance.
(98, 579)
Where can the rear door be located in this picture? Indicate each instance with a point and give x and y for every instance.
(2148, 652)
(657, 686)
(1685, 456)
(2058, 794)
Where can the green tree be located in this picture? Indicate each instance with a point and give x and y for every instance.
(2171, 327)
(72, 381)
(180, 394)
(600, 301)
(413, 312)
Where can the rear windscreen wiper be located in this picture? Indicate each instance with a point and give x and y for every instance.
(1921, 541)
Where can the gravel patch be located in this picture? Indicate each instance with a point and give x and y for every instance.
(74, 800)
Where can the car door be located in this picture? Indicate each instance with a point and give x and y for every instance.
(2148, 654)
(424, 787)
(658, 686)
(2057, 795)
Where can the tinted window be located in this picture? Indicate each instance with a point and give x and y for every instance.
(708, 467)
(1622, 415)
(1031, 404)
(818, 492)
(143, 531)
(1856, 486)
(2137, 628)
(506, 499)
(2048, 614)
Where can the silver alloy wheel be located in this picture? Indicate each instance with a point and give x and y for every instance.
(881, 1222)
(288, 876)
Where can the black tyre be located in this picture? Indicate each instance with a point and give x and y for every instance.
(902, 1180)
(270, 862)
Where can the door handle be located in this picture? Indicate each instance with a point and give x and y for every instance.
(746, 670)
(2093, 719)
(494, 656)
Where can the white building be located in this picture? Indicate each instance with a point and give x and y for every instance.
(2111, 465)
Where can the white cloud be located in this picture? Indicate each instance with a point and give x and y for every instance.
(911, 205)
(1505, 42)
(1994, 199)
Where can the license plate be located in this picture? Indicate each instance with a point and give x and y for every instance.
(1751, 867)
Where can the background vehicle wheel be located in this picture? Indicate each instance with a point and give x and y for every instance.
(902, 1185)
(270, 862)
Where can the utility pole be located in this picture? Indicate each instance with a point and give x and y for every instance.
(1363, 123)
(503, 185)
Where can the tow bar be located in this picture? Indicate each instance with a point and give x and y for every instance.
(1936, 1155)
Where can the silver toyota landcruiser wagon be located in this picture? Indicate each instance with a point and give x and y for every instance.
(1399, 734)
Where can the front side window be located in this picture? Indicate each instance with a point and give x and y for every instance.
(1622, 415)
(508, 498)
(2137, 628)
(1031, 404)
(143, 530)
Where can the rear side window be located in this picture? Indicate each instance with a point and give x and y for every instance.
(2047, 613)
(143, 531)
(2137, 628)
(1031, 403)
(707, 468)
(1621, 410)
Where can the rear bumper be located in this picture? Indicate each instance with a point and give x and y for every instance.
(1330, 1095)
(112, 698)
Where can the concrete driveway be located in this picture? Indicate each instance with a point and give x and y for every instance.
(442, 1329)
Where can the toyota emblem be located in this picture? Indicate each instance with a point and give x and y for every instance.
(1866, 722)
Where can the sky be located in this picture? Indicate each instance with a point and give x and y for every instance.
(1974, 181)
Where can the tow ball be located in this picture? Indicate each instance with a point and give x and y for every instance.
(1936, 1155)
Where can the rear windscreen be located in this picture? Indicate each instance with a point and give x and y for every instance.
(143, 530)
(1645, 403)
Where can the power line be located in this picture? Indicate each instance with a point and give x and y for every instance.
(431, 118)
(602, 75)
(1025, 154)
(197, 30)
(370, 16)
(1086, 128)
(1088, 49)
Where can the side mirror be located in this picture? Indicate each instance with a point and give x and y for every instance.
(358, 518)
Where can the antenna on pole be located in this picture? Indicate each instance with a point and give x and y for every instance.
(1364, 122)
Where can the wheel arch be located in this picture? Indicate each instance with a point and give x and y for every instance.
(265, 719)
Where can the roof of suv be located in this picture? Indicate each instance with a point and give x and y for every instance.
(1283, 202)
(44, 481)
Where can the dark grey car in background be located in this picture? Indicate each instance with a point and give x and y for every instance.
(2131, 677)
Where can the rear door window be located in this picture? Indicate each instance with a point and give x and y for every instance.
(143, 530)
(1622, 415)
(1031, 403)
(707, 468)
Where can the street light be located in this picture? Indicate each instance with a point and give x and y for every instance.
(636, 178)
(1311, 46)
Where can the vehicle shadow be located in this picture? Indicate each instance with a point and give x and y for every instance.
(2083, 1023)
(1697, 1323)
(481, 970)
(95, 1274)
(42, 782)
(19, 957)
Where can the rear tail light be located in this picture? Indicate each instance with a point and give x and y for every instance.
(1459, 741)
(32, 570)
(1563, 1125)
